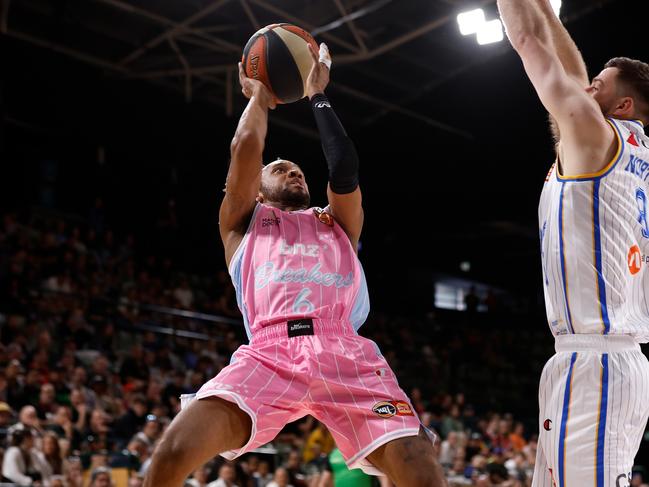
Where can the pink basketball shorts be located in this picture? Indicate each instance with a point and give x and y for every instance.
(324, 369)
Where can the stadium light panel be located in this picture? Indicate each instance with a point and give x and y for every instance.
(490, 32)
(556, 6)
(471, 22)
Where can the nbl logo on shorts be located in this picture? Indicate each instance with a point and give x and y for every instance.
(387, 409)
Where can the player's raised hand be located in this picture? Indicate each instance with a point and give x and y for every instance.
(251, 87)
(319, 76)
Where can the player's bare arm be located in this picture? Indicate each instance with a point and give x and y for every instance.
(343, 192)
(244, 174)
(588, 142)
(569, 55)
(566, 49)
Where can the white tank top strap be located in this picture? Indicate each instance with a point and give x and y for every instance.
(596, 343)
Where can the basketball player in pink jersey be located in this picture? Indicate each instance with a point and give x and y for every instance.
(303, 296)
(594, 229)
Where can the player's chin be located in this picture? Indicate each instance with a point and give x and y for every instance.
(296, 189)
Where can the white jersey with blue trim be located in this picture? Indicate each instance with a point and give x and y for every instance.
(594, 232)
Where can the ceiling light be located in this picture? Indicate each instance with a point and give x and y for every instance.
(470, 22)
(556, 6)
(490, 32)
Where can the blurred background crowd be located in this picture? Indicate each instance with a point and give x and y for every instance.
(98, 342)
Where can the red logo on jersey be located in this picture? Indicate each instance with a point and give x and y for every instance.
(632, 140)
(634, 260)
(324, 217)
(547, 178)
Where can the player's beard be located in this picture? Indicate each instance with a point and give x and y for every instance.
(291, 197)
(606, 107)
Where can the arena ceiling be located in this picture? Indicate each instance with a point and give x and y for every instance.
(453, 141)
(388, 54)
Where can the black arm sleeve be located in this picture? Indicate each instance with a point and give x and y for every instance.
(338, 148)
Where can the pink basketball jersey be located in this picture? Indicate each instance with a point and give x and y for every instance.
(297, 264)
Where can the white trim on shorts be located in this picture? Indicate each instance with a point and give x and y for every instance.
(359, 460)
(238, 400)
(595, 343)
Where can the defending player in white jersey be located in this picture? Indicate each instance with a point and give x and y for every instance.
(594, 228)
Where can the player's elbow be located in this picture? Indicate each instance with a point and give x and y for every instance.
(246, 143)
(521, 40)
(526, 41)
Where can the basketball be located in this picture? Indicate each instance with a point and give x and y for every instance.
(278, 56)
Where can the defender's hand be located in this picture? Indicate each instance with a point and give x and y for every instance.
(251, 87)
(319, 76)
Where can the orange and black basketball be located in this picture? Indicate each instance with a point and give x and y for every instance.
(278, 56)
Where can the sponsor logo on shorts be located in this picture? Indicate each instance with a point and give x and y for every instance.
(403, 408)
(623, 480)
(384, 409)
(547, 425)
(388, 409)
(300, 327)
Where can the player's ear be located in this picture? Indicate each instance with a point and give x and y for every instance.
(624, 107)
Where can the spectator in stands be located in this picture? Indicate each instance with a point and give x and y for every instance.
(318, 442)
(101, 477)
(262, 476)
(6, 415)
(133, 419)
(500, 440)
(79, 380)
(184, 295)
(451, 421)
(57, 481)
(637, 480)
(496, 475)
(47, 402)
(62, 426)
(22, 464)
(449, 449)
(518, 468)
(53, 464)
(200, 477)
(417, 400)
(27, 419)
(80, 409)
(226, 477)
(13, 376)
(293, 466)
(517, 437)
(280, 479)
(135, 480)
(96, 435)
